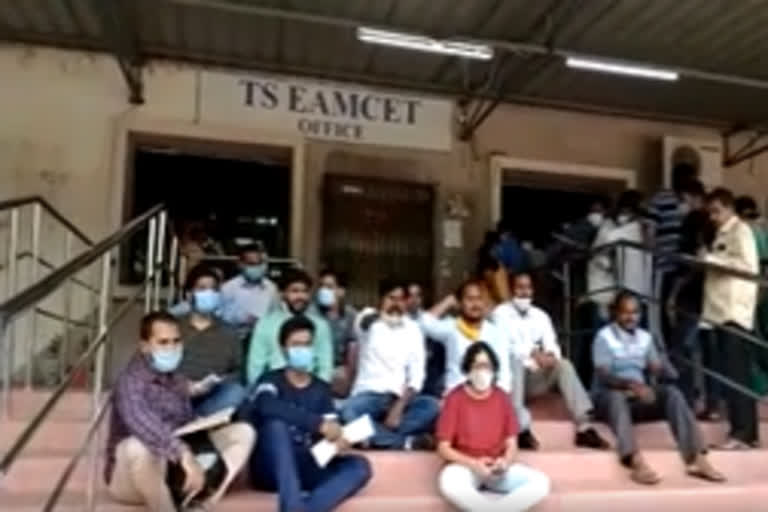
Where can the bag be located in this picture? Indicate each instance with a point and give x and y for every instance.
(209, 458)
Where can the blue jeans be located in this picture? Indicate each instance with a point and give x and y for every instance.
(228, 393)
(280, 464)
(418, 418)
(684, 343)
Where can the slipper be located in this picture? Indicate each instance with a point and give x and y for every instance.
(709, 475)
(732, 445)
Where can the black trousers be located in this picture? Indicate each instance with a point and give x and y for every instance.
(742, 409)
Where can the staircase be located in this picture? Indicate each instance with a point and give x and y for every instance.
(583, 480)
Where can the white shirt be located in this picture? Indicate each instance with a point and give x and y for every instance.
(391, 357)
(526, 331)
(250, 299)
(445, 331)
(600, 276)
(634, 266)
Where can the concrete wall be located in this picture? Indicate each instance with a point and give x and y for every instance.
(66, 117)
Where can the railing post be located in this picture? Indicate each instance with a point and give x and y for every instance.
(32, 341)
(159, 259)
(5, 385)
(67, 310)
(173, 261)
(98, 377)
(9, 328)
(150, 264)
(567, 306)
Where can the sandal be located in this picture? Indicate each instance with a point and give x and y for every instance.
(732, 445)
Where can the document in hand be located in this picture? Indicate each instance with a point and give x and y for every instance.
(354, 432)
(206, 422)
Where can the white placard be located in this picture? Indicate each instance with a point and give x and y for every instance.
(354, 432)
(326, 110)
(452, 237)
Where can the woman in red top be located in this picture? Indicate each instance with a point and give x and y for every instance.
(477, 436)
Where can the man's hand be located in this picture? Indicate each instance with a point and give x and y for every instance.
(331, 430)
(394, 417)
(500, 466)
(204, 385)
(194, 480)
(483, 468)
(642, 392)
(547, 361)
(343, 445)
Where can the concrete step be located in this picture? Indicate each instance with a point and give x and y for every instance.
(584, 469)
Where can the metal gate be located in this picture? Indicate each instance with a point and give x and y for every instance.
(375, 229)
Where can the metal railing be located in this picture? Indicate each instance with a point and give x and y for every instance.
(580, 252)
(93, 358)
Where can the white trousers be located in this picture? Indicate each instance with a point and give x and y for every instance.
(520, 488)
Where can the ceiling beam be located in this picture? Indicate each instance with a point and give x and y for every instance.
(121, 36)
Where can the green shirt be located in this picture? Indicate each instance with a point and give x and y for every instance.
(264, 352)
(759, 230)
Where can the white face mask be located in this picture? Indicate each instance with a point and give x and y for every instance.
(392, 319)
(595, 218)
(522, 304)
(481, 379)
(623, 218)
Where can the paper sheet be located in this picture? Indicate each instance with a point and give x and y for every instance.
(206, 422)
(354, 432)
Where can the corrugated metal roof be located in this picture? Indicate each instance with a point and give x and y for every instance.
(296, 36)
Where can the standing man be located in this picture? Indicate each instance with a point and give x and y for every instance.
(533, 342)
(292, 410)
(213, 356)
(329, 304)
(729, 303)
(434, 383)
(264, 351)
(627, 367)
(252, 294)
(150, 401)
(390, 376)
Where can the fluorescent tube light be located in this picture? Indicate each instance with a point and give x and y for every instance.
(621, 68)
(425, 44)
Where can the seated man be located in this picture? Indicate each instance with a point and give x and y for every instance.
(264, 352)
(213, 354)
(623, 354)
(390, 376)
(292, 410)
(533, 342)
(329, 304)
(482, 454)
(458, 334)
(151, 400)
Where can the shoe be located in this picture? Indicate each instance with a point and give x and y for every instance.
(527, 441)
(732, 445)
(422, 442)
(701, 468)
(712, 416)
(641, 473)
(590, 438)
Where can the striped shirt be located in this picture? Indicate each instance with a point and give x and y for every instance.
(666, 221)
(216, 349)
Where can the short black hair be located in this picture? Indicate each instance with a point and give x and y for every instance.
(252, 247)
(463, 287)
(603, 201)
(746, 205)
(388, 285)
(472, 352)
(342, 280)
(149, 320)
(294, 324)
(517, 275)
(630, 200)
(722, 196)
(294, 275)
(694, 188)
(622, 296)
(682, 174)
(198, 272)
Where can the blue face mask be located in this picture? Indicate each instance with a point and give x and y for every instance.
(255, 273)
(166, 360)
(206, 301)
(300, 358)
(326, 297)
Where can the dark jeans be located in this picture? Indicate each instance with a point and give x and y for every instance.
(588, 322)
(684, 344)
(711, 359)
(434, 383)
(228, 393)
(279, 464)
(742, 409)
(418, 418)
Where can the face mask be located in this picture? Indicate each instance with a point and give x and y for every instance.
(481, 379)
(522, 304)
(206, 301)
(326, 297)
(392, 319)
(166, 360)
(685, 208)
(624, 218)
(300, 358)
(255, 273)
(596, 219)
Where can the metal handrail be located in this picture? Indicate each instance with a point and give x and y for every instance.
(23, 201)
(49, 283)
(50, 266)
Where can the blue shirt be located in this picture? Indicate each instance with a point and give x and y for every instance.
(666, 226)
(623, 354)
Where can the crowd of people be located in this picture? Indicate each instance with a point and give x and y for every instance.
(296, 362)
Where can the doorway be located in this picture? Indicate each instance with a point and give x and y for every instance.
(375, 229)
(219, 197)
